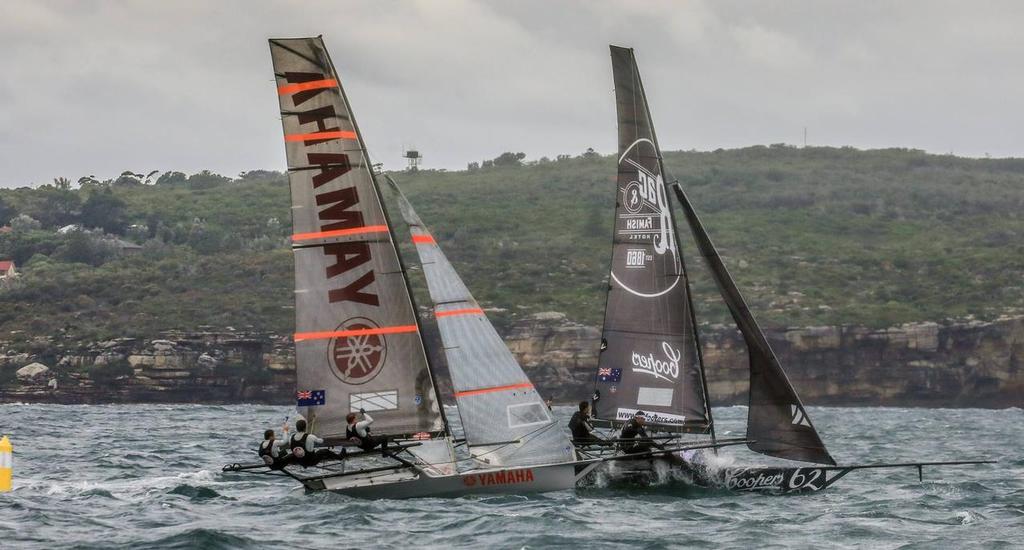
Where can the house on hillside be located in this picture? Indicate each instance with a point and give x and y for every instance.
(7, 269)
(127, 248)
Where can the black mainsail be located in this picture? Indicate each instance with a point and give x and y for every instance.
(649, 354)
(357, 337)
(649, 295)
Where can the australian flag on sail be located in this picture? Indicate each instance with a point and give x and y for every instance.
(310, 398)
(609, 375)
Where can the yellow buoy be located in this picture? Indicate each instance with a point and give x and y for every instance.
(6, 464)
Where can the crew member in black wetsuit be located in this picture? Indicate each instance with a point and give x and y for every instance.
(272, 451)
(358, 432)
(580, 426)
(303, 447)
(634, 430)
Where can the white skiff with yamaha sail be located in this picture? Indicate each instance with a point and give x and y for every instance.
(359, 343)
(650, 356)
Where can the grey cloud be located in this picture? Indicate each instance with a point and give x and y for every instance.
(98, 87)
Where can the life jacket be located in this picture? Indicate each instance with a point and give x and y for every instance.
(298, 445)
(266, 452)
(366, 442)
(352, 433)
(273, 462)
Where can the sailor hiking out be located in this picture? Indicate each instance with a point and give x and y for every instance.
(272, 451)
(358, 432)
(303, 447)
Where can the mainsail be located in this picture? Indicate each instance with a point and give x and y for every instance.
(777, 422)
(506, 422)
(649, 354)
(357, 339)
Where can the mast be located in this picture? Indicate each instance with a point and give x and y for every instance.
(700, 352)
(682, 264)
(357, 343)
(431, 370)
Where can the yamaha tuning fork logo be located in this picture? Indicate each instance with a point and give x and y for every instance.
(357, 358)
(649, 265)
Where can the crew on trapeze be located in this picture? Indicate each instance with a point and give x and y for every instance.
(580, 426)
(358, 432)
(303, 447)
(634, 430)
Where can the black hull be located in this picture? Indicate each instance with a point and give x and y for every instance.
(646, 472)
(649, 472)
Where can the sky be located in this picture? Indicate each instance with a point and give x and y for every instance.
(94, 87)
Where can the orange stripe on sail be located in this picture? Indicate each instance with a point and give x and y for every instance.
(304, 86)
(340, 232)
(524, 385)
(423, 239)
(339, 134)
(300, 336)
(467, 311)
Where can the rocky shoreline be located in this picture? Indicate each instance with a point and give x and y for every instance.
(955, 364)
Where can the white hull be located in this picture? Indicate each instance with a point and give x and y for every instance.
(412, 483)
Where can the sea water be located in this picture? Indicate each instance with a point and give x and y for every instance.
(148, 476)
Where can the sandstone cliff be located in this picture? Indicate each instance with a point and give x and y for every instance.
(964, 364)
(958, 364)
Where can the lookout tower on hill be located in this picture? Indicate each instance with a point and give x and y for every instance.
(414, 157)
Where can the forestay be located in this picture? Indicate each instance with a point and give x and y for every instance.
(649, 359)
(505, 420)
(357, 340)
(777, 423)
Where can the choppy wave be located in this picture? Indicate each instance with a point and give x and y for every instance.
(149, 477)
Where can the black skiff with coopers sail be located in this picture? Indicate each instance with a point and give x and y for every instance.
(651, 360)
(359, 343)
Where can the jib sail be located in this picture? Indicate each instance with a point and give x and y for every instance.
(649, 358)
(777, 423)
(357, 339)
(506, 421)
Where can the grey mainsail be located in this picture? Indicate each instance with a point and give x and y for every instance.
(357, 338)
(505, 420)
(777, 422)
(649, 356)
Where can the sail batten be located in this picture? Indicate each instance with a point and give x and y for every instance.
(496, 400)
(357, 339)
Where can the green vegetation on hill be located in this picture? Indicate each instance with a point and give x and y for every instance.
(813, 236)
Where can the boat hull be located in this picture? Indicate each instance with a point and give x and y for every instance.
(414, 483)
(772, 480)
(652, 471)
